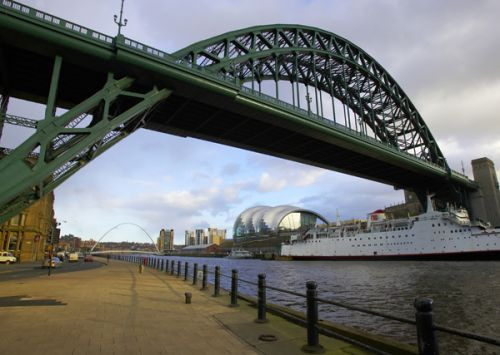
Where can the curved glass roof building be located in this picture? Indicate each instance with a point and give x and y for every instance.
(262, 221)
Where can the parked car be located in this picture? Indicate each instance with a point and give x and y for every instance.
(6, 257)
(56, 262)
(88, 258)
(73, 257)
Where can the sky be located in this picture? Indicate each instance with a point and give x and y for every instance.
(443, 54)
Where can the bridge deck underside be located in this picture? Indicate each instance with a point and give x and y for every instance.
(186, 117)
(194, 111)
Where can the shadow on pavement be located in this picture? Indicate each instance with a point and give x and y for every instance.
(25, 301)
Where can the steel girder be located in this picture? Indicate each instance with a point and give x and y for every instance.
(64, 144)
(320, 59)
(17, 120)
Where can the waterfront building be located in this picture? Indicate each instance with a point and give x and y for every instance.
(166, 240)
(189, 238)
(216, 236)
(72, 242)
(87, 244)
(200, 237)
(27, 234)
(202, 249)
(264, 228)
(206, 236)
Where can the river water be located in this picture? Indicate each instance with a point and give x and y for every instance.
(466, 295)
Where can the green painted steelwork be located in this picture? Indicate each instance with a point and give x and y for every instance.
(225, 69)
(4, 102)
(327, 62)
(65, 146)
(18, 121)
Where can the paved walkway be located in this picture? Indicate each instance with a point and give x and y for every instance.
(116, 310)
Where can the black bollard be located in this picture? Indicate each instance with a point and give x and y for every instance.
(427, 344)
(261, 302)
(312, 345)
(204, 280)
(178, 268)
(188, 296)
(166, 266)
(172, 263)
(217, 282)
(186, 267)
(195, 271)
(234, 288)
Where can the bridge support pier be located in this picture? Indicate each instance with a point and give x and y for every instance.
(485, 202)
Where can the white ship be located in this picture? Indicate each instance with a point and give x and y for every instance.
(239, 254)
(432, 235)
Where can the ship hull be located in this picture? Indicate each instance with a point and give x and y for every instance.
(461, 256)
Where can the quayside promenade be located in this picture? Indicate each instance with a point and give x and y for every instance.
(116, 310)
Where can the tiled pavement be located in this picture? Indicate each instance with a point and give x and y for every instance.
(116, 310)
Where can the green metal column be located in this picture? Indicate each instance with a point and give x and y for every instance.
(4, 103)
(50, 109)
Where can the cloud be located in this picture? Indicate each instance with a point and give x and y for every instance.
(351, 198)
(308, 177)
(268, 183)
(230, 169)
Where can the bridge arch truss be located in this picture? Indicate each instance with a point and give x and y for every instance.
(372, 102)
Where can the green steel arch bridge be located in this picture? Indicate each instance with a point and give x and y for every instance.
(291, 91)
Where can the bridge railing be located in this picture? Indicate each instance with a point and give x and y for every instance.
(145, 49)
(58, 22)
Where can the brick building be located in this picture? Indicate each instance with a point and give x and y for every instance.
(26, 234)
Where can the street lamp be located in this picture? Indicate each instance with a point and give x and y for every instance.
(308, 99)
(120, 23)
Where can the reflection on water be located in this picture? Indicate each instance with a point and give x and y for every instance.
(466, 294)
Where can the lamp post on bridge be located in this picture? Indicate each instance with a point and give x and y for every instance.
(308, 99)
(120, 23)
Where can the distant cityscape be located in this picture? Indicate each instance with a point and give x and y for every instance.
(33, 234)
